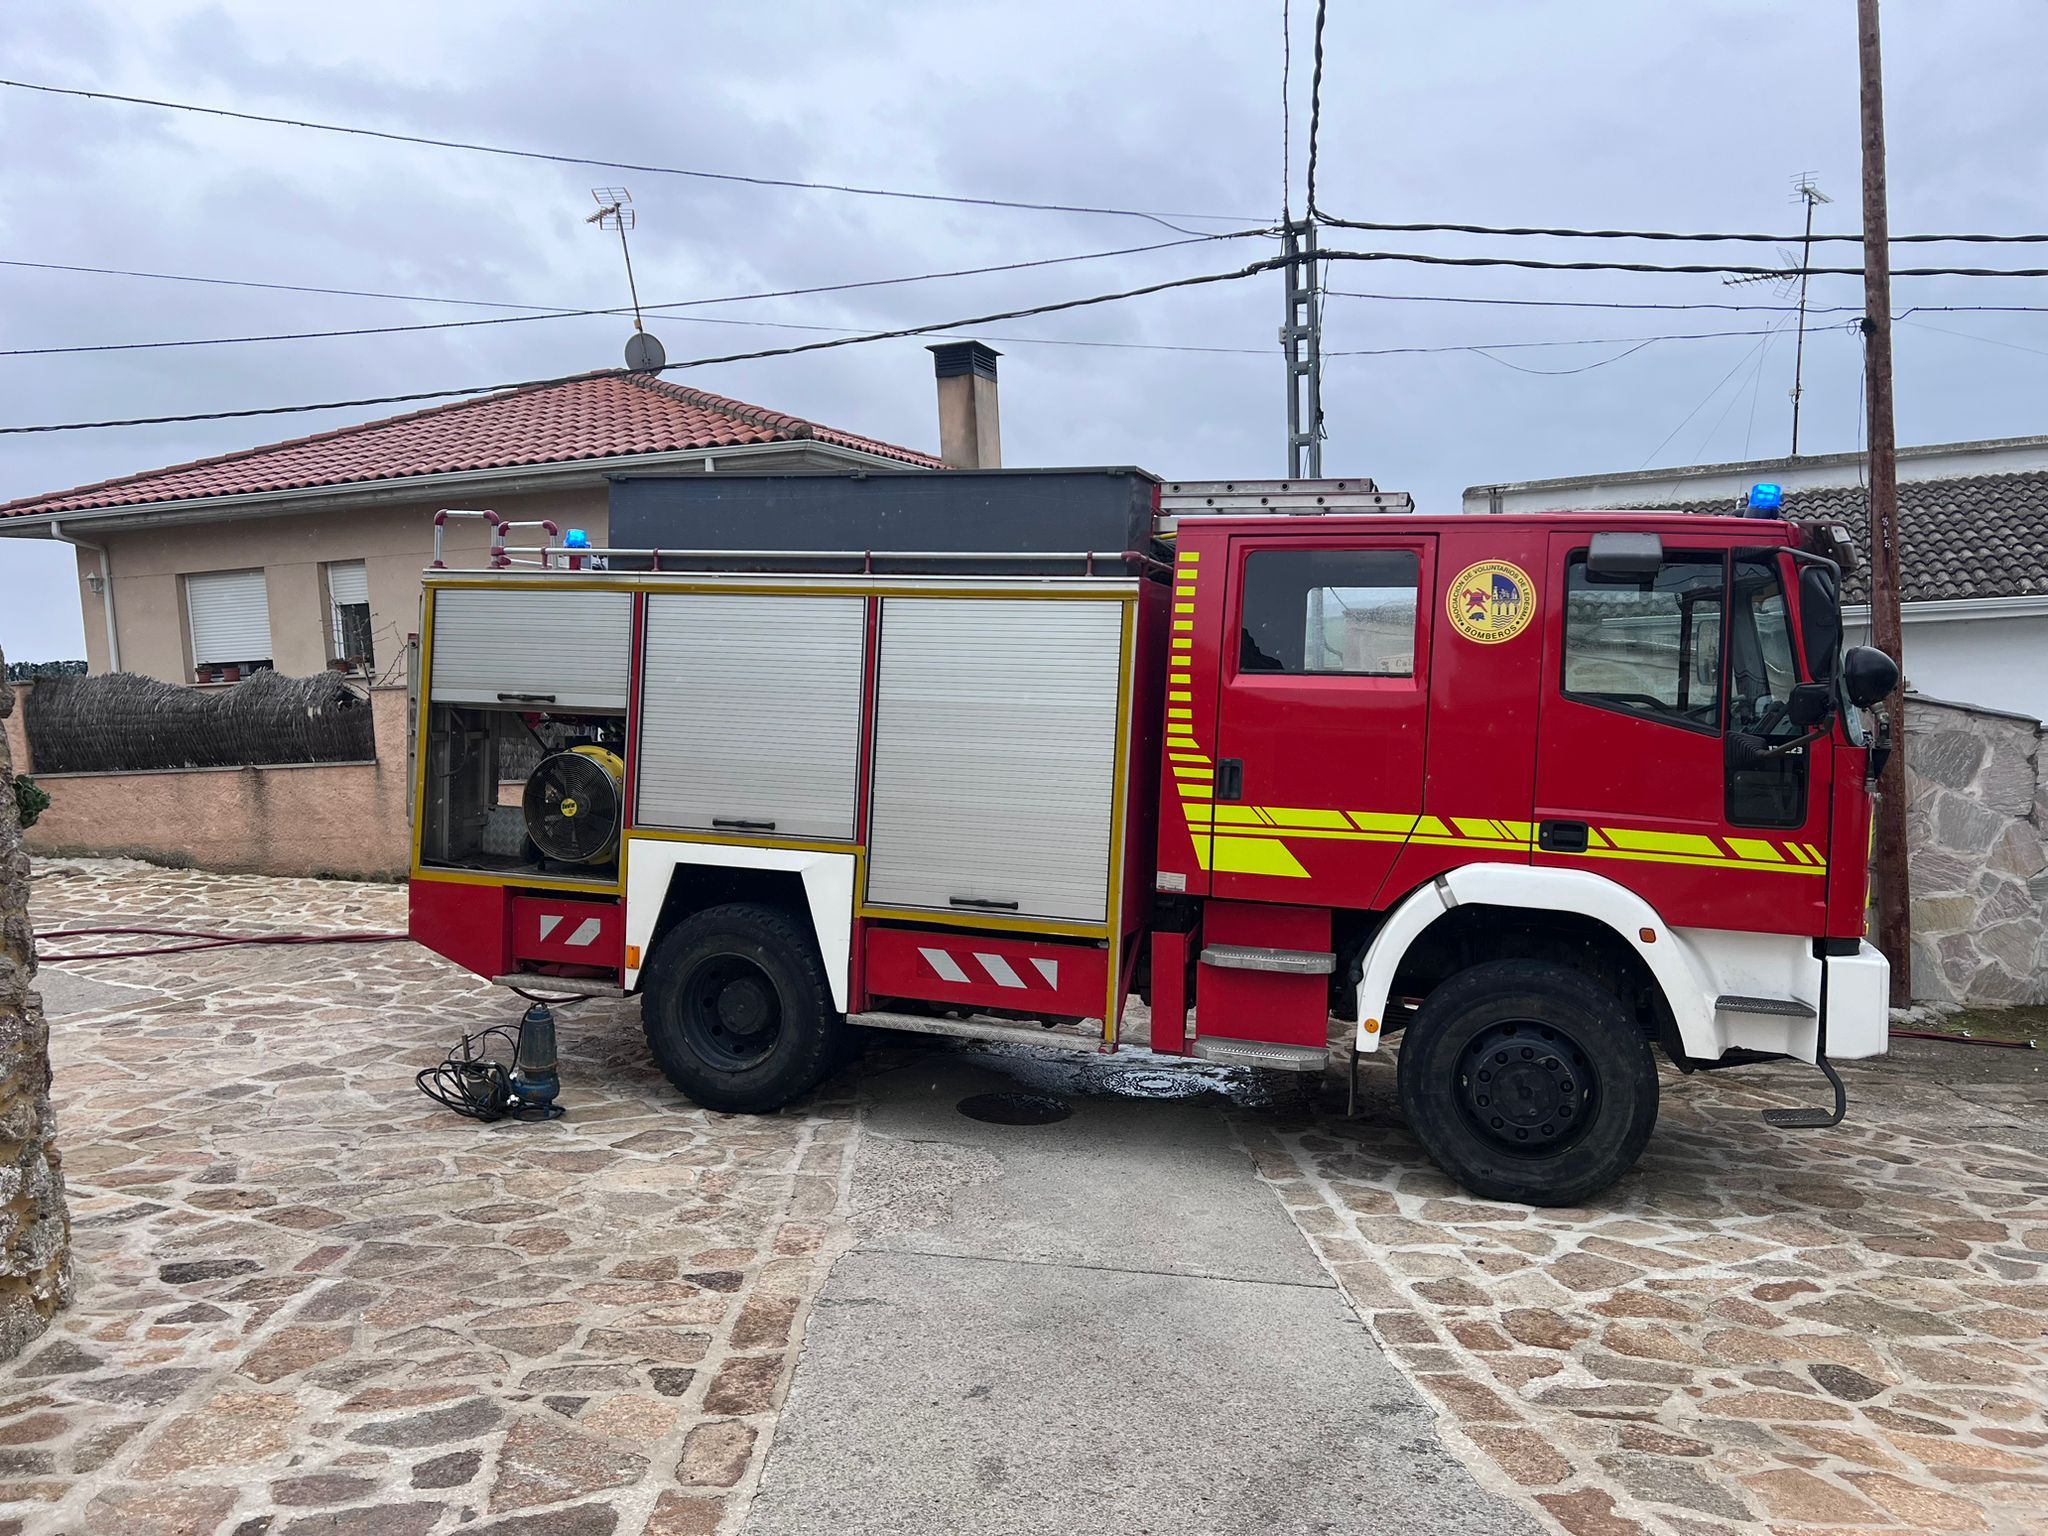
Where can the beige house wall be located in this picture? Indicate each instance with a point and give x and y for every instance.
(394, 540)
(288, 819)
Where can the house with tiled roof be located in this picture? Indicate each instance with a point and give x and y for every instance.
(1973, 549)
(307, 554)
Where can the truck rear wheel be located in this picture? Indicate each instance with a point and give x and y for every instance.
(1527, 1082)
(738, 1011)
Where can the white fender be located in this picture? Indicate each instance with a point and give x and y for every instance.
(828, 890)
(1673, 961)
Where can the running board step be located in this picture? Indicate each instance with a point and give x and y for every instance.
(1781, 1007)
(1289, 962)
(1259, 1053)
(1813, 1119)
(1060, 1037)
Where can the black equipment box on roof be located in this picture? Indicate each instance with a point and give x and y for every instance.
(999, 512)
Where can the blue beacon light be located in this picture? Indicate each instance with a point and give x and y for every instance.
(1765, 500)
(576, 538)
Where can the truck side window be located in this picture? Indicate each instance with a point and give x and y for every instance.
(1770, 792)
(1649, 646)
(1347, 612)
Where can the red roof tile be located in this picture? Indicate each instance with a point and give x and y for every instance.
(596, 416)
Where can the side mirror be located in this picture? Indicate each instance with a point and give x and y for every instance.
(1624, 556)
(1809, 704)
(1868, 675)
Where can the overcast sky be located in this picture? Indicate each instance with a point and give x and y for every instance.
(1575, 112)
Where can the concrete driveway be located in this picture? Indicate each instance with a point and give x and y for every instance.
(1104, 1324)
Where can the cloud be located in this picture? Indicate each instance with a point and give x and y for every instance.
(1593, 112)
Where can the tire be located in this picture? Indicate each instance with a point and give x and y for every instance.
(1583, 1081)
(738, 1011)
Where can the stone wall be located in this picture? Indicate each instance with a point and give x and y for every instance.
(35, 1228)
(1977, 826)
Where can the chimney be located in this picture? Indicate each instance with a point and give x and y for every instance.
(970, 436)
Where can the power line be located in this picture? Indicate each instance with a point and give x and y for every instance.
(1286, 112)
(1709, 269)
(535, 312)
(414, 396)
(1665, 234)
(1768, 309)
(1157, 216)
(1315, 108)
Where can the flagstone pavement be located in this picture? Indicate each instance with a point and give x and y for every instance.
(310, 1303)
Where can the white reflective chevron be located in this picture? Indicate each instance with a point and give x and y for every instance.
(947, 967)
(999, 969)
(586, 931)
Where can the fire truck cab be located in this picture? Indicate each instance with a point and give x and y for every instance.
(1544, 796)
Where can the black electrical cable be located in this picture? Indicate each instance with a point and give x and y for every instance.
(1665, 234)
(698, 362)
(476, 1087)
(1315, 108)
(1706, 268)
(1157, 216)
(668, 309)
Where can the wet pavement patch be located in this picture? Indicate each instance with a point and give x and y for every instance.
(1015, 1108)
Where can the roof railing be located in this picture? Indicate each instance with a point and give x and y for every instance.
(500, 527)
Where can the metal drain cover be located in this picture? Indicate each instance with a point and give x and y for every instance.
(1015, 1108)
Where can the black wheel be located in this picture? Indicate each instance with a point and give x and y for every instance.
(738, 1011)
(1526, 1081)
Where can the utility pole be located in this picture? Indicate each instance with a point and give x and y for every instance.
(1302, 337)
(1808, 193)
(1894, 894)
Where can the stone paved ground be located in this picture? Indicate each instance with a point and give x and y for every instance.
(1807, 1333)
(312, 1304)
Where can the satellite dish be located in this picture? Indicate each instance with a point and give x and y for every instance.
(644, 354)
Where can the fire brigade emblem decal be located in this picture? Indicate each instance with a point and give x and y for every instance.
(1492, 601)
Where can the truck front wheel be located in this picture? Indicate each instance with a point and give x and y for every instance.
(1525, 1081)
(738, 1011)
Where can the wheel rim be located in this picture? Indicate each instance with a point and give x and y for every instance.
(1527, 1088)
(731, 1013)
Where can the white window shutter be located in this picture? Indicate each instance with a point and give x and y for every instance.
(230, 613)
(348, 582)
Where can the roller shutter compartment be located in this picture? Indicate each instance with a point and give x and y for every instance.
(566, 650)
(995, 756)
(750, 713)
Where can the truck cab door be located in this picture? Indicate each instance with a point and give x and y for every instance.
(1321, 715)
(1658, 688)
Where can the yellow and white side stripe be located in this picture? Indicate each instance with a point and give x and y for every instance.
(1252, 839)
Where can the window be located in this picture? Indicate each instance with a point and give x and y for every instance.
(348, 597)
(1763, 791)
(1648, 646)
(229, 615)
(1348, 612)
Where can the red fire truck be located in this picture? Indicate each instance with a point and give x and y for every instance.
(984, 754)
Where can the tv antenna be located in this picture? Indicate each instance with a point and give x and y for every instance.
(644, 354)
(1793, 270)
(1803, 191)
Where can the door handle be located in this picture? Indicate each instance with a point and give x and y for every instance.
(1230, 779)
(1561, 836)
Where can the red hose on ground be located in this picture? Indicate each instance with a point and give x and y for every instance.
(207, 940)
